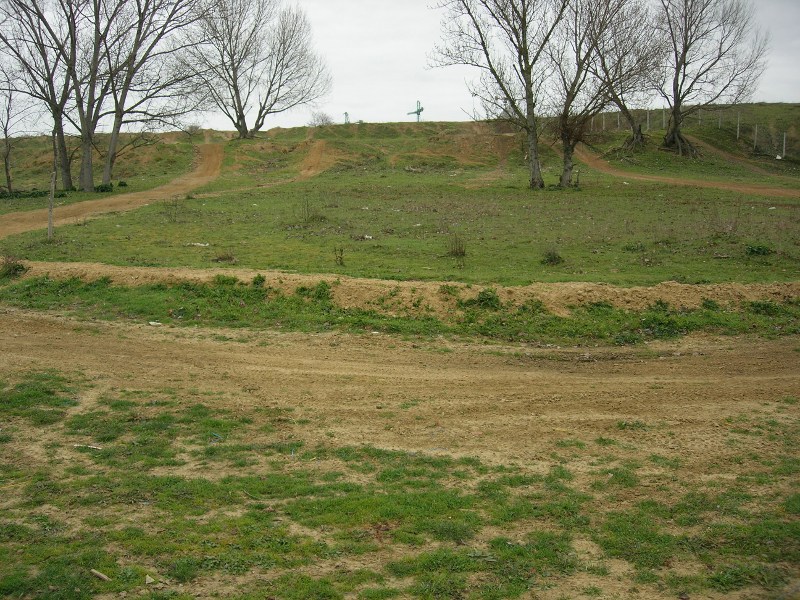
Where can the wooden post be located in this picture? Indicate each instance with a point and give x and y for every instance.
(738, 124)
(755, 137)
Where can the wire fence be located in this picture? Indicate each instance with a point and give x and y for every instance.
(761, 130)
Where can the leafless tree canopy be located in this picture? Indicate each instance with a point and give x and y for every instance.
(97, 61)
(508, 41)
(256, 59)
(578, 93)
(629, 52)
(716, 55)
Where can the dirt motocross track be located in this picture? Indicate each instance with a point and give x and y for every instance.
(500, 404)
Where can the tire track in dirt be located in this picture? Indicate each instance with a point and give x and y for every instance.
(594, 161)
(510, 404)
(208, 168)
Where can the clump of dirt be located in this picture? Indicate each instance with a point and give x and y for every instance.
(439, 299)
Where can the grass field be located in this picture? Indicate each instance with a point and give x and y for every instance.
(120, 490)
(443, 433)
(442, 202)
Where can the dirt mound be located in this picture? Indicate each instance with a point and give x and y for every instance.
(437, 298)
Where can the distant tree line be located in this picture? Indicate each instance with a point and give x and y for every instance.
(573, 59)
(140, 65)
(117, 66)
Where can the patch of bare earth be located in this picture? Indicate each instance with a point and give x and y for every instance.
(436, 298)
(591, 159)
(209, 163)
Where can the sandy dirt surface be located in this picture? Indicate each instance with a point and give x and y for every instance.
(436, 298)
(209, 163)
(591, 159)
(499, 404)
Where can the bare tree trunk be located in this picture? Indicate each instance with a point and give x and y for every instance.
(113, 144)
(87, 169)
(7, 163)
(568, 147)
(63, 155)
(674, 138)
(536, 181)
(636, 141)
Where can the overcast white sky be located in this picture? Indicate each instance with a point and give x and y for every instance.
(377, 51)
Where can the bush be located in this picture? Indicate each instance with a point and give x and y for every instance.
(552, 258)
(486, 299)
(104, 188)
(759, 250)
(259, 280)
(122, 184)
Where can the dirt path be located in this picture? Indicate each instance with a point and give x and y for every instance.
(427, 297)
(505, 405)
(207, 169)
(592, 160)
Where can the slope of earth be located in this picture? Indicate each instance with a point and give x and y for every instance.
(207, 169)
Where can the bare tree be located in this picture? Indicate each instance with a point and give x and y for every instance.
(629, 52)
(149, 85)
(320, 119)
(716, 56)
(12, 115)
(579, 94)
(256, 59)
(508, 41)
(43, 56)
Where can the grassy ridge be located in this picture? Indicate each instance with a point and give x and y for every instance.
(310, 309)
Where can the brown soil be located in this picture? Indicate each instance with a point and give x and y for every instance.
(207, 169)
(436, 298)
(591, 159)
(319, 159)
(504, 406)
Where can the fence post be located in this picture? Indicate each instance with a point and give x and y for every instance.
(784, 145)
(738, 124)
(755, 137)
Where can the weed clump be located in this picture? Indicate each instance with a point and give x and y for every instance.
(225, 257)
(320, 292)
(259, 280)
(759, 250)
(10, 267)
(552, 258)
(486, 299)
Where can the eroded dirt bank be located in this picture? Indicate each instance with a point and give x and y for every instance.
(437, 298)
